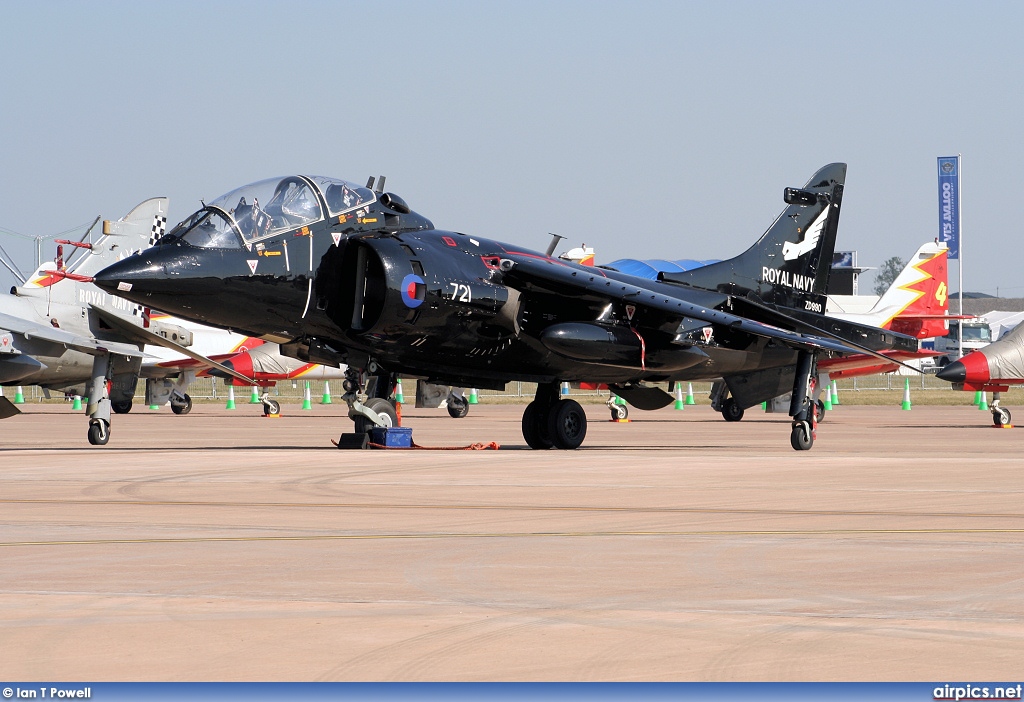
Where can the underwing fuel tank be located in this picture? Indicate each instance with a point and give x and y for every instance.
(615, 346)
(15, 367)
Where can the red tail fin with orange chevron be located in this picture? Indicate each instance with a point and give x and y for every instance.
(917, 302)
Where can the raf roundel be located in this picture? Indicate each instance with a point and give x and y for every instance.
(413, 290)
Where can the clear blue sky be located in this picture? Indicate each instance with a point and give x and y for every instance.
(645, 129)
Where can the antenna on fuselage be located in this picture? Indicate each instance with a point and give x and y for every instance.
(555, 238)
(369, 183)
(380, 185)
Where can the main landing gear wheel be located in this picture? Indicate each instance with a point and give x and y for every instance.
(1000, 417)
(819, 411)
(802, 438)
(99, 432)
(458, 407)
(731, 411)
(567, 424)
(271, 407)
(619, 412)
(535, 426)
(122, 406)
(182, 406)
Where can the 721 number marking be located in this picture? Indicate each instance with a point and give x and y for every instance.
(461, 292)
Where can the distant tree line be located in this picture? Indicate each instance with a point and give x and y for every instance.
(887, 274)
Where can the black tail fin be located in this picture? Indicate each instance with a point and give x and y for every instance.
(790, 264)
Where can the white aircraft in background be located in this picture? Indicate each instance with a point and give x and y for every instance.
(169, 374)
(61, 332)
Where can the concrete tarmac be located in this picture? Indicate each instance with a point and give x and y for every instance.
(227, 546)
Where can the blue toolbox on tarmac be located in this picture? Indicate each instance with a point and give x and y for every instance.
(392, 437)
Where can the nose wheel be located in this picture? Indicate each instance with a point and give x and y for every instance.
(619, 412)
(385, 411)
(376, 411)
(270, 407)
(181, 405)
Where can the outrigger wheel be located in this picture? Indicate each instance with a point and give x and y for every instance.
(802, 406)
(99, 432)
(801, 438)
(458, 407)
(731, 410)
(99, 406)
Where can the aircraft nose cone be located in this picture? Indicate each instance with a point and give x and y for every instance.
(972, 369)
(129, 276)
(242, 363)
(955, 372)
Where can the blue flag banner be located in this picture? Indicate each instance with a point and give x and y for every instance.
(949, 203)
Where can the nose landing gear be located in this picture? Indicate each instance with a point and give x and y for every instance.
(270, 407)
(376, 411)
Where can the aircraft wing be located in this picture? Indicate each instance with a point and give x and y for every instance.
(56, 335)
(945, 317)
(530, 271)
(150, 338)
(163, 369)
(861, 364)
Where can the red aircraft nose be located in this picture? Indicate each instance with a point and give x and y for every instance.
(972, 368)
(241, 362)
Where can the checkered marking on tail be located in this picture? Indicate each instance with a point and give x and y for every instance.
(159, 228)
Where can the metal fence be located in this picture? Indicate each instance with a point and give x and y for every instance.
(210, 389)
(201, 389)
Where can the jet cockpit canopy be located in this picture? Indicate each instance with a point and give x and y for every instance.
(260, 210)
